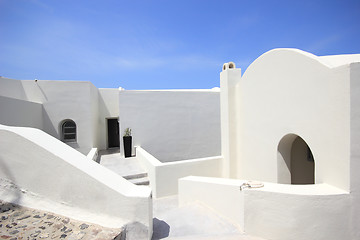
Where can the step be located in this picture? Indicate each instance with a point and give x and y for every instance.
(140, 181)
(134, 176)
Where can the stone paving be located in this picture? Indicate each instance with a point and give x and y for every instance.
(17, 222)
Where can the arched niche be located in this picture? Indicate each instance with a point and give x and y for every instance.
(295, 161)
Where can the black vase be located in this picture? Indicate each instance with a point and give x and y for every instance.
(127, 145)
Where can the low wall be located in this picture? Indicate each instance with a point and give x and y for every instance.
(164, 176)
(275, 211)
(42, 166)
(93, 154)
(283, 212)
(221, 194)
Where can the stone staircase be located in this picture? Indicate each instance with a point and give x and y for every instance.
(138, 179)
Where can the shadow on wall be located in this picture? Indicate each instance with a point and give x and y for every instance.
(41, 90)
(8, 183)
(160, 229)
(48, 126)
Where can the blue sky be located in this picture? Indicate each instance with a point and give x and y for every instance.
(163, 44)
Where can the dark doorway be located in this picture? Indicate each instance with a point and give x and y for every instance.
(302, 163)
(296, 163)
(113, 133)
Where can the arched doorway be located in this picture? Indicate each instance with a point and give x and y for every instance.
(295, 161)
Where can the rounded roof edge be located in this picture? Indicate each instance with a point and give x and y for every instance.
(330, 61)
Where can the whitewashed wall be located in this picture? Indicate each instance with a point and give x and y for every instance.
(355, 147)
(284, 211)
(223, 195)
(16, 108)
(229, 78)
(41, 167)
(108, 108)
(276, 211)
(283, 94)
(12, 89)
(95, 113)
(288, 91)
(60, 100)
(16, 112)
(173, 125)
(164, 176)
(70, 100)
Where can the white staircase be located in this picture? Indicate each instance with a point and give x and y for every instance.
(138, 179)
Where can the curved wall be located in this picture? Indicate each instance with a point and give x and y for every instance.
(288, 91)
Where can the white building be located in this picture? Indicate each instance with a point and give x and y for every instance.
(290, 122)
(171, 125)
(184, 116)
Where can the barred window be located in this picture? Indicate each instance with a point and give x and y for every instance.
(68, 131)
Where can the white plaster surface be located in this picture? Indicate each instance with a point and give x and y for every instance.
(172, 125)
(164, 176)
(12, 89)
(288, 91)
(192, 221)
(108, 108)
(220, 194)
(228, 80)
(339, 60)
(70, 100)
(275, 211)
(93, 154)
(45, 104)
(43, 166)
(355, 149)
(18, 112)
(283, 94)
(119, 164)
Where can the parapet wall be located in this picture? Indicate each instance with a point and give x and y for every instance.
(164, 176)
(42, 166)
(276, 211)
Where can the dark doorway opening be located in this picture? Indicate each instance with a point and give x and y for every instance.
(296, 163)
(302, 163)
(113, 133)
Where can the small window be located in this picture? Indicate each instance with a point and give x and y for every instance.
(68, 131)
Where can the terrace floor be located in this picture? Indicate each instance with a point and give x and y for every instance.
(193, 221)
